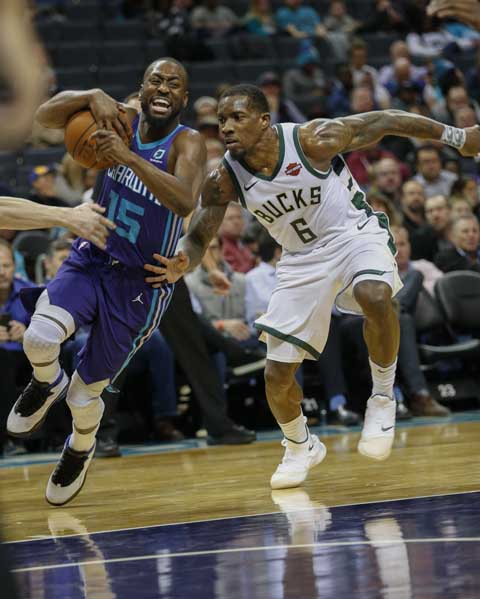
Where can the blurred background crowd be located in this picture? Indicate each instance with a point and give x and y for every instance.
(201, 372)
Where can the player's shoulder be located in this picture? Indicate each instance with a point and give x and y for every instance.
(318, 135)
(188, 138)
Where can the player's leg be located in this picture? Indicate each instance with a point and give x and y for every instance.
(87, 408)
(382, 336)
(284, 396)
(50, 326)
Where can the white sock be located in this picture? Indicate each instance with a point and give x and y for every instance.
(296, 432)
(383, 378)
(83, 441)
(47, 374)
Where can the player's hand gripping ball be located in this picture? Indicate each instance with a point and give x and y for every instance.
(81, 144)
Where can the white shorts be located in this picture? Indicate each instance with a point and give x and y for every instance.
(297, 321)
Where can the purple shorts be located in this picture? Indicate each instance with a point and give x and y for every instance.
(121, 310)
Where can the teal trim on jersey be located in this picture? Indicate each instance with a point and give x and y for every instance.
(304, 159)
(166, 235)
(281, 156)
(290, 338)
(156, 143)
(138, 338)
(235, 182)
(360, 203)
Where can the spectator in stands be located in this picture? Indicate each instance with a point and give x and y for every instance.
(260, 19)
(365, 75)
(467, 188)
(362, 100)
(404, 89)
(14, 366)
(380, 203)
(282, 109)
(260, 281)
(435, 180)
(235, 253)
(360, 163)
(215, 150)
(387, 179)
(305, 84)
(208, 127)
(421, 402)
(212, 19)
(386, 15)
(338, 20)
(427, 241)
(227, 313)
(70, 181)
(465, 253)
(55, 257)
(338, 101)
(412, 202)
(459, 207)
(399, 49)
(299, 21)
(42, 180)
(456, 99)
(89, 179)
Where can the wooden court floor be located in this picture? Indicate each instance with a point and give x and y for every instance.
(224, 482)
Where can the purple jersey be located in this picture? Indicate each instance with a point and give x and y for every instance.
(144, 225)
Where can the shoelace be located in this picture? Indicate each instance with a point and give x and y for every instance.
(68, 468)
(32, 398)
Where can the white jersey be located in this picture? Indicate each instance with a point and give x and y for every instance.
(301, 206)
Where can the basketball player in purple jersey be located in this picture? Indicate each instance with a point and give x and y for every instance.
(153, 185)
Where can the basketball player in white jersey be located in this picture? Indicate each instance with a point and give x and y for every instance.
(335, 250)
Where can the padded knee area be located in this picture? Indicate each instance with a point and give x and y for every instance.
(42, 340)
(85, 403)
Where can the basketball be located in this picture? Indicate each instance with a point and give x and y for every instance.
(79, 144)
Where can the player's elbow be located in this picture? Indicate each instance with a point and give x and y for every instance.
(185, 209)
(44, 117)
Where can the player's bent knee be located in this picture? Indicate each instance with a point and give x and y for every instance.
(41, 344)
(80, 394)
(375, 297)
(279, 375)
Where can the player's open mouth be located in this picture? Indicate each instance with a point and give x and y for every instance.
(160, 105)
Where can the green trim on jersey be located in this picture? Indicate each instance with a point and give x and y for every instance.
(360, 203)
(290, 338)
(235, 182)
(304, 159)
(281, 156)
(368, 271)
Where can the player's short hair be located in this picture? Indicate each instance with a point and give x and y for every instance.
(166, 59)
(256, 98)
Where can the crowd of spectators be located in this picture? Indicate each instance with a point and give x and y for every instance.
(428, 191)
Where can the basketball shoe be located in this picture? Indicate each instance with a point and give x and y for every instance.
(378, 428)
(69, 476)
(293, 469)
(31, 408)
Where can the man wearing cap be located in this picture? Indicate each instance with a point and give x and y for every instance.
(305, 83)
(282, 110)
(42, 180)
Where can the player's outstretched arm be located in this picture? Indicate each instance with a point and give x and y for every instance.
(321, 140)
(217, 192)
(108, 113)
(85, 221)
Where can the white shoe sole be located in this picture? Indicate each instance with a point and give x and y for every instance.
(361, 448)
(315, 460)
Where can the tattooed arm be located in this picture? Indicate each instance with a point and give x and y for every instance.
(321, 140)
(217, 192)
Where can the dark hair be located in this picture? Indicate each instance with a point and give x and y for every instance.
(6, 244)
(59, 245)
(459, 185)
(256, 98)
(267, 247)
(166, 59)
(428, 148)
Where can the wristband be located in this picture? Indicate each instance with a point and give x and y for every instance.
(452, 136)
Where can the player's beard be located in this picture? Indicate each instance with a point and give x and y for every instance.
(156, 122)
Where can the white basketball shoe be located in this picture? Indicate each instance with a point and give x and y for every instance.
(378, 428)
(68, 478)
(296, 463)
(31, 408)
